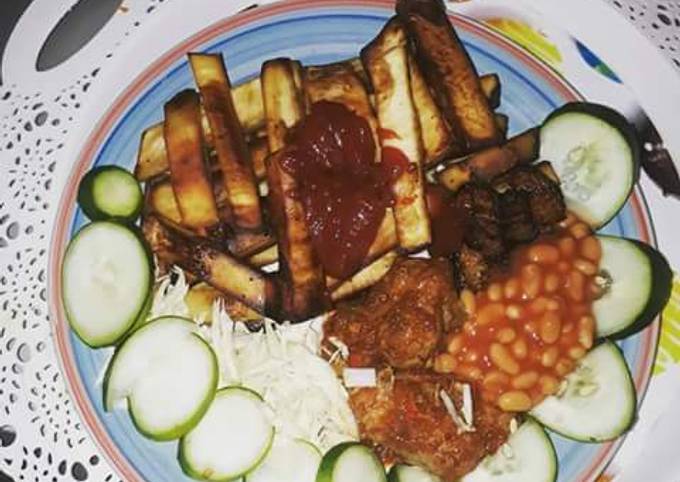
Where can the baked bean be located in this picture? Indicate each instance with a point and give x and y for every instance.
(455, 344)
(519, 348)
(591, 249)
(495, 292)
(595, 290)
(467, 297)
(514, 401)
(564, 366)
(553, 304)
(539, 305)
(525, 380)
(552, 282)
(495, 378)
(469, 372)
(506, 335)
(470, 329)
(549, 385)
(567, 328)
(549, 357)
(585, 266)
(502, 358)
(574, 285)
(563, 267)
(577, 352)
(579, 230)
(489, 313)
(531, 327)
(511, 288)
(444, 363)
(471, 356)
(550, 327)
(532, 280)
(567, 246)
(586, 327)
(514, 312)
(543, 254)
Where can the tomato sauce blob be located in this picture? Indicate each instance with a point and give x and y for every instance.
(342, 189)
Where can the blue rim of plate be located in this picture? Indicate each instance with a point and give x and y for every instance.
(331, 31)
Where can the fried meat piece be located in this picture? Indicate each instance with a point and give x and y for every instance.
(484, 232)
(405, 417)
(472, 269)
(515, 214)
(402, 318)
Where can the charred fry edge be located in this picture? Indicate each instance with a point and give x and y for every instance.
(385, 60)
(188, 172)
(200, 300)
(221, 270)
(491, 162)
(152, 156)
(449, 71)
(229, 141)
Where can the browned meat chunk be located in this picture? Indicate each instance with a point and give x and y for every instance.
(515, 214)
(402, 318)
(483, 232)
(543, 194)
(406, 416)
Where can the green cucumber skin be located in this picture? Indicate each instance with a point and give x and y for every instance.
(625, 427)
(180, 430)
(662, 285)
(146, 306)
(616, 120)
(186, 466)
(325, 472)
(89, 206)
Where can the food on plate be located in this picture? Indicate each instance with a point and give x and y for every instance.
(166, 394)
(596, 153)
(231, 149)
(107, 279)
(110, 192)
(236, 419)
(363, 274)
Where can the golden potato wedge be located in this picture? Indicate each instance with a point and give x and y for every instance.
(385, 60)
(188, 173)
(363, 279)
(228, 139)
(449, 72)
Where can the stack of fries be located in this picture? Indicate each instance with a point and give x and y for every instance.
(219, 204)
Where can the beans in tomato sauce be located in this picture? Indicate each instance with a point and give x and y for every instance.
(533, 323)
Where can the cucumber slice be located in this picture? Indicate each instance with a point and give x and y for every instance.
(595, 152)
(166, 394)
(288, 461)
(350, 462)
(107, 276)
(108, 192)
(640, 285)
(529, 456)
(232, 439)
(409, 473)
(599, 402)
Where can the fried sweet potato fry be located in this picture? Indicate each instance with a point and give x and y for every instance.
(201, 297)
(449, 72)
(233, 156)
(188, 173)
(283, 100)
(438, 139)
(364, 278)
(491, 162)
(302, 280)
(219, 269)
(385, 60)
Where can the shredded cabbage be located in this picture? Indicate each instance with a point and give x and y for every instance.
(281, 363)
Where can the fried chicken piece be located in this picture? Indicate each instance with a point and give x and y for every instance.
(402, 318)
(406, 418)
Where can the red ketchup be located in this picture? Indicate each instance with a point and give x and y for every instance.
(447, 220)
(343, 190)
